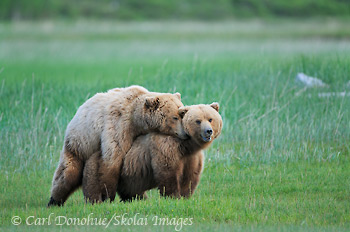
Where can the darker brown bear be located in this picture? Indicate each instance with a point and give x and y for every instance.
(166, 162)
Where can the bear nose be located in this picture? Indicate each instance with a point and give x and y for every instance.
(209, 131)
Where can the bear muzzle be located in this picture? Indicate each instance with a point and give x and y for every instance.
(206, 135)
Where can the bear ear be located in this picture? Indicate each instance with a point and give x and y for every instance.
(152, 102)
(178, 95)
(182, 111)
(215, 106)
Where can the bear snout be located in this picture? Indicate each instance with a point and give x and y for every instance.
(206, 134)
(209, 131)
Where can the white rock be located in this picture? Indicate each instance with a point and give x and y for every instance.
(330, 94)
(309, 81)
(334, 94)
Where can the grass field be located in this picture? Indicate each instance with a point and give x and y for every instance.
(282, 162)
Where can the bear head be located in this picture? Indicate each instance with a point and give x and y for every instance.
(161, 112)
(202, 123)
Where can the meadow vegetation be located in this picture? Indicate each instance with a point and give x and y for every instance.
(170, 10)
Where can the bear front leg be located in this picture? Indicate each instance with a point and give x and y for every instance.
(114, 146)
(193, 166)
(126, 197)
(168, 178)
(109, 176)
(67, 178)
(167, 173)
(170, 187)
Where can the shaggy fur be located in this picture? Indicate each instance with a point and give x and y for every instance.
(166, 162)
(109, 122)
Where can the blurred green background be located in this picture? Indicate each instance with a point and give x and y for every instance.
(180, 9)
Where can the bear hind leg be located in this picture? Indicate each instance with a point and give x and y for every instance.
(67, 178)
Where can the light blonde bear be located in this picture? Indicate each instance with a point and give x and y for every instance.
(109, 122)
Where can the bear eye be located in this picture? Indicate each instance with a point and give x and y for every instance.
(175, 118)
(198, 122)
(210, 120)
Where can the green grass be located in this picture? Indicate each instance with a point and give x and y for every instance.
(281, 163)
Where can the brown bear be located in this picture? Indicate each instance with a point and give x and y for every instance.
(109, 122)
(169, 163)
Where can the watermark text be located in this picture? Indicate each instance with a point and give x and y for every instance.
(116, 220)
